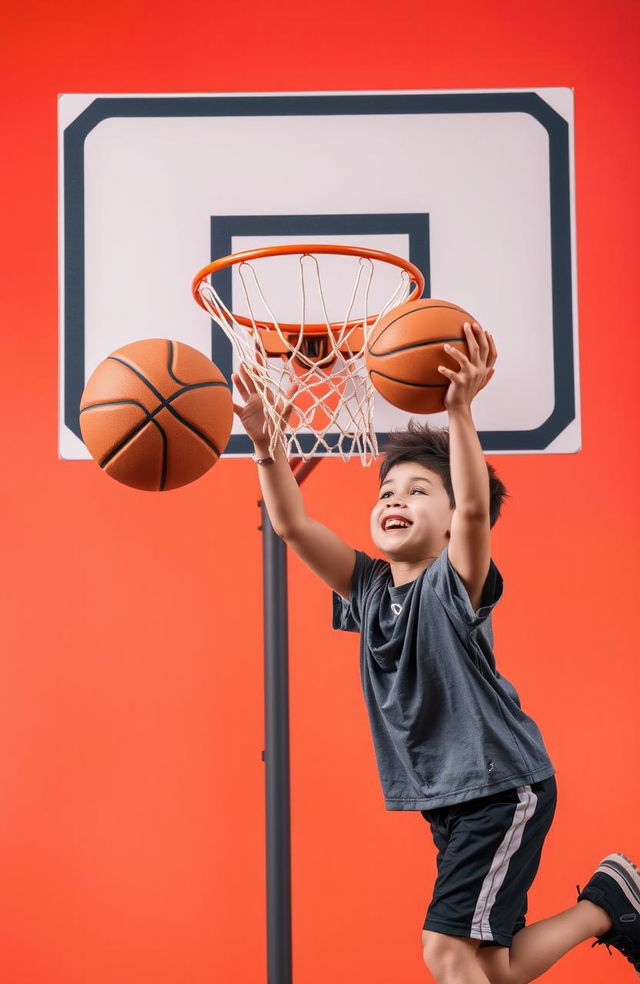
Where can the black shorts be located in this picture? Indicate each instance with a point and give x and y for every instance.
(488, 855)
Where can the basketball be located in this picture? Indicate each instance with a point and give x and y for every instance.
(406, 347)
(156, 414)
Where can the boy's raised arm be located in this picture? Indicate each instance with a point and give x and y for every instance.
(470, 544)
(469, 474)
(280, 490)
(319, 547)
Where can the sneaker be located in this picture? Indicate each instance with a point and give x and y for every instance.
(615, 887)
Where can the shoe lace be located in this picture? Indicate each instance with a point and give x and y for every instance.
(622, 945)
(615, 938)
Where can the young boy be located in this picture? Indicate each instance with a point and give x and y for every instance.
(450, 736)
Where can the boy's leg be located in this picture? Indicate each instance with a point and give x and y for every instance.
(534, 949)
(608, 908)
(452, 959)
(488, 854)
(537, 947)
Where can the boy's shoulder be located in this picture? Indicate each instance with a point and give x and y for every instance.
(371, 575)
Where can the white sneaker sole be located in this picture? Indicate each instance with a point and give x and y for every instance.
(625, 874)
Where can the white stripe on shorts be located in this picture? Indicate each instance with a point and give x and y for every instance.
(480, 929)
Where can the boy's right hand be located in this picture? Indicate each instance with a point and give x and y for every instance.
(252, 413)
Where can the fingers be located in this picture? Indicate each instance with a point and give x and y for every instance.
(244, 382)
(247, 388)
(247, 378)
(486, 344)
(481, 347)
(493, 352)
(457, 354)
(472, 341)
(241, 390)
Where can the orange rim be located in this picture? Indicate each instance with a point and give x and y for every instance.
(317, 329)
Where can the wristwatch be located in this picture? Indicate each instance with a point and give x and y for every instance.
(261, 461)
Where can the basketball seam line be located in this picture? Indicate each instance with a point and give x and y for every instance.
(405, 382)
(413, 345)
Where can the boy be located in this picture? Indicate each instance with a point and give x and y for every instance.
(450, 736)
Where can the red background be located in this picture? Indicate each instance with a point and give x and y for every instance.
(131, 683)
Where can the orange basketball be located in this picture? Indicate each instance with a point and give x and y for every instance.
(156, 414)
(406, 347)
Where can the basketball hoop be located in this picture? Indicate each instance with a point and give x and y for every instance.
(325, 357)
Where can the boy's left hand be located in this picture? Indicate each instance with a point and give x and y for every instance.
(475, 372)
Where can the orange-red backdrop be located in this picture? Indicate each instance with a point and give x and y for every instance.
(132, 785)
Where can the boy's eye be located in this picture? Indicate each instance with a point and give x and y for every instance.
(388, 492)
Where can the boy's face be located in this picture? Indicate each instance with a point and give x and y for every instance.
(417, 494)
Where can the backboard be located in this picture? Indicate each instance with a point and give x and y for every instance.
(476, 188)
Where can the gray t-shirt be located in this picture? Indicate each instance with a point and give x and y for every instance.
(446, 726)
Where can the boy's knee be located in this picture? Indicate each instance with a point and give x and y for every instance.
(495, 962)
(444, 955)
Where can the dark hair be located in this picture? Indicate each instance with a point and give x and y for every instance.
(429, 446)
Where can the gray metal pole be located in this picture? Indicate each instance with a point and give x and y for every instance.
(276, 753)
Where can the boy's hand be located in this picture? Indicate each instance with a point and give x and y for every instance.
(475, 372)
(252, 413)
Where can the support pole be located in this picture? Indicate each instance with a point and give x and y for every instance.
(276, 754)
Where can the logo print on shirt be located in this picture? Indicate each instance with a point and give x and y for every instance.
(396, 609)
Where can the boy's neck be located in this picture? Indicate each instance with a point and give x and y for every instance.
(402, 572)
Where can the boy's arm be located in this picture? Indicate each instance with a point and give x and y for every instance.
(470, 542)
(280, 491)
(319, 547)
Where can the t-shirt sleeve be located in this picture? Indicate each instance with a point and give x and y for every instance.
(347, 615)
(453, 594)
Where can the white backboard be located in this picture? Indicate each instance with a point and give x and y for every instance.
(474, 187)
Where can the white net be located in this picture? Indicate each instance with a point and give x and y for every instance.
(333, 409)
